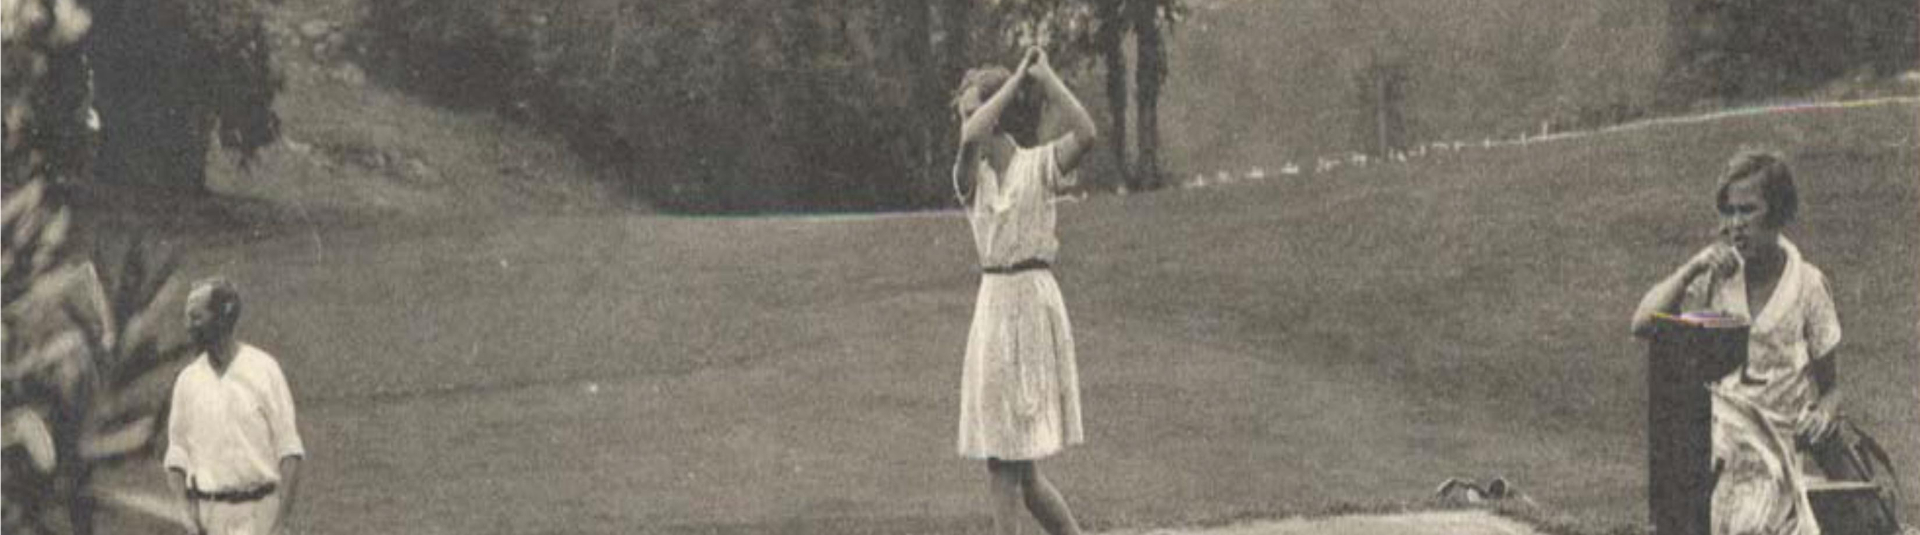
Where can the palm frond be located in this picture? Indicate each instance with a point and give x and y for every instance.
(27, 429)
(147, 504)
(21, 201)
(122, 441)
(68, 346)
(51, 236)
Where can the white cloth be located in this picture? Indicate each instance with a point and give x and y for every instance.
(1019, 387)
(247, 518)
(228, 431)
(1761, 490)
(1758, 407)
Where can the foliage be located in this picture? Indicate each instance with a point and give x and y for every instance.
(46, 103)
(81, 355)
(85, 376)
(1743, 50)
(704, 105)
(239, 82)
(169, 74)
(700, 105)
(1380, 92)
(1081, 31)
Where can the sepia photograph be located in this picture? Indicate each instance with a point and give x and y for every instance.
(1123, 267)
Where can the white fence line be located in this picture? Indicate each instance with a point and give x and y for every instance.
(1326, 164)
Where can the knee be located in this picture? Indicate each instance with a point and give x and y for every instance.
(1016, 472)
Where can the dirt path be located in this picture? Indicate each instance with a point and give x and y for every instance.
(1425, 523)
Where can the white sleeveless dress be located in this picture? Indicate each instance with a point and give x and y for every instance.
(1019, 389)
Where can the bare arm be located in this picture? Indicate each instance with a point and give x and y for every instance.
(1826, 378)
(177, 480)
(289, 484)
(1822, 333)
(979, 124)
(1664, 297)
(1081, 132)
(286, 436)
(176, 460)
(1823, 417)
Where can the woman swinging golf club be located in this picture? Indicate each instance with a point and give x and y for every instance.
(1019, 390)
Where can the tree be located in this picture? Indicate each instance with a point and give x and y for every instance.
(1380, 91)
(47, 134)
(1109, 43)
(1081, 30)
(169, 74)
(1742, 50)
(1147, 18)
(84, 375)
(709, 105)
(746, 105)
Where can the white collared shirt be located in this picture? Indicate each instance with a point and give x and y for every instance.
(228, 431)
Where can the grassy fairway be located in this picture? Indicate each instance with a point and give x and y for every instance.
(1256, 349)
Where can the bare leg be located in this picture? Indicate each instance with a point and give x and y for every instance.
(1048, 506)
(1007, 486)
(1018, 482)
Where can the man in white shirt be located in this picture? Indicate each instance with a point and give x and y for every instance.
(233, 452)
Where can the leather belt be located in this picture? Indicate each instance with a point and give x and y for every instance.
(233, 496)
(1023, 265)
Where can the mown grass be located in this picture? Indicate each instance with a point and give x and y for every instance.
(1292, 346)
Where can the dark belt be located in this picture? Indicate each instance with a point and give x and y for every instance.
(232, 496)
(1029, 264)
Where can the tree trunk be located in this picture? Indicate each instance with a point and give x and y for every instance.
(1677, 80)
(1109, 40)
(956, 21)
(924, 115)
(60, 132)
(155, 132)
(1149, 75)
(1382, 104)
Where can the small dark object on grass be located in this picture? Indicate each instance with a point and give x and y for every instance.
(1456, 491)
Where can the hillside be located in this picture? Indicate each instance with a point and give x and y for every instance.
(1253, 84)
(1260, 83)
(352, 145)
(1294, 345)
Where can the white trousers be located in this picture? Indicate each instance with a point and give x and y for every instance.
(246, 518)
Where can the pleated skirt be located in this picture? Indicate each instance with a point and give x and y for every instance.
(1020, 387)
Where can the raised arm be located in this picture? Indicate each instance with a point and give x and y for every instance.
(1081, 131)
(1664, 297)
(979, 124)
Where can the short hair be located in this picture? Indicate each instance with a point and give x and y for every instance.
(987, 79)
(1021, 117)
(1776, 184)
(222, 296)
